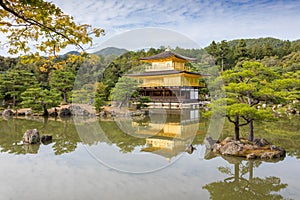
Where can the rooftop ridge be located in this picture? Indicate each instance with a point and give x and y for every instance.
(163, 72)
(166, 54)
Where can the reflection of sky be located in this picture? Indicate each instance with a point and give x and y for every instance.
(287, 171)
(78, 176)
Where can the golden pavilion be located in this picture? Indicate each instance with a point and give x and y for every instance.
(168, 81)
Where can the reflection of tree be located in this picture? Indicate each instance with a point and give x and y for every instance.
(237, 186)
(64, 134)
(65, 137)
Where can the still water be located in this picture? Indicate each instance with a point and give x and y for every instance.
(141, 158)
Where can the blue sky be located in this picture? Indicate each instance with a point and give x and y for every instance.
(199, 20)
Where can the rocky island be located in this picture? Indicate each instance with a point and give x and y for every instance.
(258, 149)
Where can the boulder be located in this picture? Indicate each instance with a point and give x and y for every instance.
(231, 148)
(261, 142)
(281, 151)
(251, 156)
(46, 138)
(31, 136)
(216, 147)
(113, 113)
(190, 149)
(228, 139)
(53, 113)
(78, 111)
(65, 112)
(103, 114)
(7, 113)
(249, 146)
(28, 112)
(270, 155)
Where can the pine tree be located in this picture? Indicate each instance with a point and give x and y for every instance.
(14, 82)
(223, 52)
(99, 99)
(125, 89)
(63, 81)
(38, 99)
(246, 86)
(250, 84)
(268, 50)
(241, 51)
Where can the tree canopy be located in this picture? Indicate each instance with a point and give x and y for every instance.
(42, 26)
(125, 89)
(63, 81)
(248, 85)
(14, 82)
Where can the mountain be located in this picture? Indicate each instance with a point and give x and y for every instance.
(274, 42)
(70, 53)
(110, 51)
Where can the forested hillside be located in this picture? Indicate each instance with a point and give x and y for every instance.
(110, 51)
(50, 81)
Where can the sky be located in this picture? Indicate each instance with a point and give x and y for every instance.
(199, 21)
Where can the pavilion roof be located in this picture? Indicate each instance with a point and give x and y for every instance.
(163, 72)
(167, 54)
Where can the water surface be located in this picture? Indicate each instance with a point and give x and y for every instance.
(140, 158)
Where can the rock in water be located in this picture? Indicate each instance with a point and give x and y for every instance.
(190, 149)
(46, 138)
(7, 113)
(31, 136)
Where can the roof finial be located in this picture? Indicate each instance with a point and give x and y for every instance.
(168, 48)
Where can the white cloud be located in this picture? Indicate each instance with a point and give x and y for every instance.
(148, 37)
(200, 20)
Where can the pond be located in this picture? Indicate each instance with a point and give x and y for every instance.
(141, 158)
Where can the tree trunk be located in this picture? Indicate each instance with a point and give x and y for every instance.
(46, 113)
(222, 64)
(236, 172)
(14, 101)
(65, 97)
(250, 170)
(251, 132)
(236, 128)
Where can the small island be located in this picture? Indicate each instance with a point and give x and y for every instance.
(258, 149)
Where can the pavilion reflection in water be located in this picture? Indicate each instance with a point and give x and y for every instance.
(169, 136)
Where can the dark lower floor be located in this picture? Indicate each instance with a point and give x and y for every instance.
(171, 94)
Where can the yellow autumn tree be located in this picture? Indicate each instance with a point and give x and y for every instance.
(41, 26)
